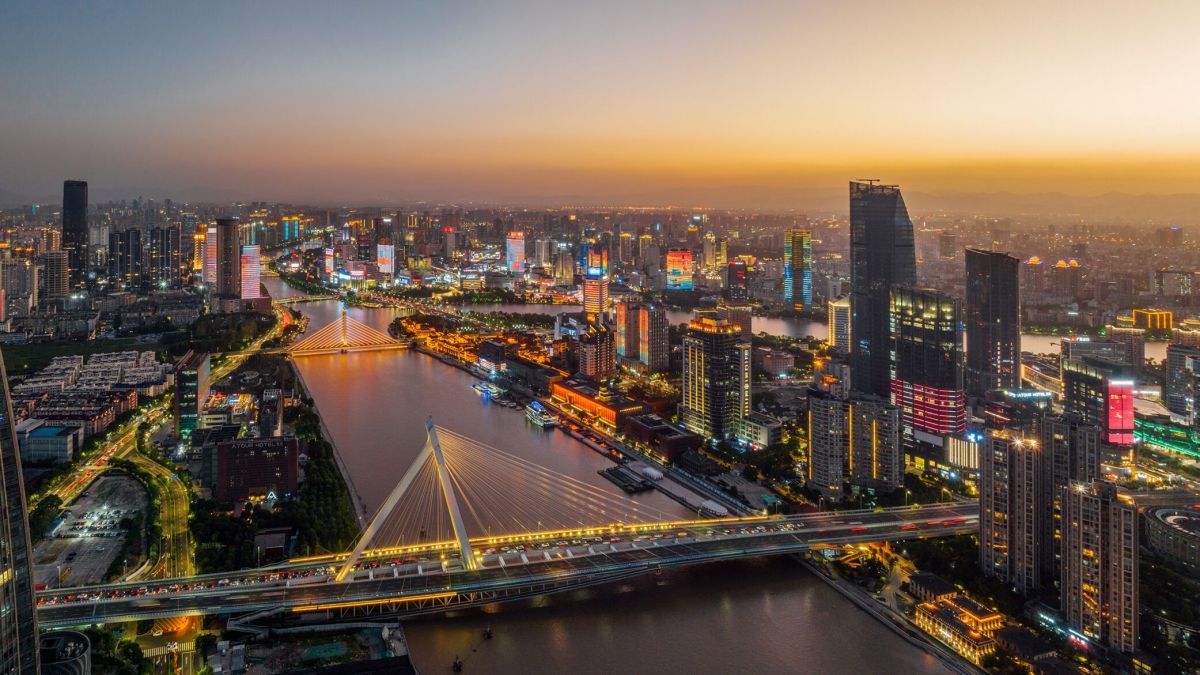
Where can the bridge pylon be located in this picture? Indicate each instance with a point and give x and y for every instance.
(431, 449)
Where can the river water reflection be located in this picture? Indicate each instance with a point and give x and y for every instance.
(756, 616)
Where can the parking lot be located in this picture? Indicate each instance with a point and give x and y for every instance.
(81, 548)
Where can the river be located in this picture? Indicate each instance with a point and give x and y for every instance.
(755, 616)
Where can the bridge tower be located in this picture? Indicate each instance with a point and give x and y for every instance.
(432, 449)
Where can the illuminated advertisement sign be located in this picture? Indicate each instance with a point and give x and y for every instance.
(385, 257)
(1119, 414)
(329, 263)
(210, 255)
(679, 270)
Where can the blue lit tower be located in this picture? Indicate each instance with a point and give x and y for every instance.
(881, 257)
(797, 269)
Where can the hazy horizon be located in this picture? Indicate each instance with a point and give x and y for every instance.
(758, 106)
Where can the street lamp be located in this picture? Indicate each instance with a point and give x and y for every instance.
(907, 494)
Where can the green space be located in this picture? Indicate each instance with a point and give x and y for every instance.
(114, 656)
(43, 516)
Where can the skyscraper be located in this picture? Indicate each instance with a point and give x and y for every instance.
(597, 352)
(228, 258)
(208, 264)
(839, 324)
(797, 270)
(737, 281)
(514, 252)
(166, 260)
(125, 263)
(679, 270)
(595, 284)
(251, 262)
(1072, 450)
(1012, 502)
(191, 387)
(927, 365)
(75, 230)
(1100, 564)
(993, 322)
(18, 623)
(716, 378)
(882, 256)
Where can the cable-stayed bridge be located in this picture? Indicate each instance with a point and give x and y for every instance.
(423, 551)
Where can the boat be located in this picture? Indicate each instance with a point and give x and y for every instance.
(488, 389)
(536, 412)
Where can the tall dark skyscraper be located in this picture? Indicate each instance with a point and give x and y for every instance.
(993, 322)
(75, 229)
(882, 256)
(228, 258)
(18, 623)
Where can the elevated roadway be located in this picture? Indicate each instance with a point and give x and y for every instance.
(509, 568)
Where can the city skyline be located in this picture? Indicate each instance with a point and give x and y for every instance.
(767, 107)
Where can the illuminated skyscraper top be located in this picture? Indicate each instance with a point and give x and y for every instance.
(881, 257)
(797, 269)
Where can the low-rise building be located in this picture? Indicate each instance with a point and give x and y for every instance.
(43, 443)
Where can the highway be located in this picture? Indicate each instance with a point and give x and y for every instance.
(437, 581)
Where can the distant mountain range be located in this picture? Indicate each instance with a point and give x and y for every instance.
(1183, 209)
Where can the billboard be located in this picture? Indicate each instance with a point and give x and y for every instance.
(385, 257)
(679, 270)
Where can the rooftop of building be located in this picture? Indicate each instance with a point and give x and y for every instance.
(1184, 520)
(51, 431)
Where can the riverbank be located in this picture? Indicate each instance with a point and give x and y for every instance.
(897, 623)
(357, 504)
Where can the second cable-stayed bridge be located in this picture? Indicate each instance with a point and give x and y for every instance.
(416, 555)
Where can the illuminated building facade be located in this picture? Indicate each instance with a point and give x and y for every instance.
(191, 391)
(927, 365)
(256, 468)
(642, 334)
(797, 269)
(166, 260)
(18, 622)
(595, 284)
(251, 263)
(679, 270)
(839, 324)
(385, 257)
(1171, 283)
(882, 257)
(716, 378)
(597, 352)
(210, 256)
(1012, 502)
(125, 263)
(1099, 590)
(514, 247)
(330, 264)
(993, 322)
(1153, 319)
(1100, 391)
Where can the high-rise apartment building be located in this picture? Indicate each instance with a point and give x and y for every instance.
(1099, 591)
(839, 324)
(125, 263)
(679, 270)
(597, 352)
(716, 378)
(737, 281)
(641, 334)
(853, 441)
(1100, 391)
(927, 365)
(1073, 452)
(75, 230)
(18, 622)
(993, 322)
(882, 257)
(797, 270)
(1011, 506)
(57, 268)
(166, 260)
